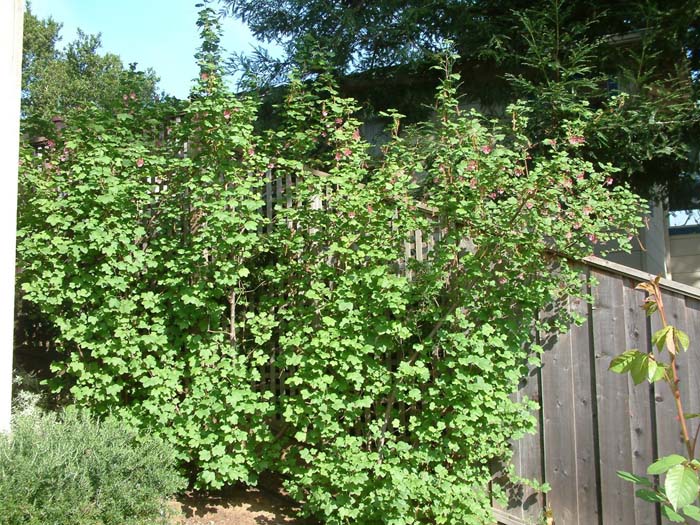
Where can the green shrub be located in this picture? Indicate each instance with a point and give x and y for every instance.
(71, 469)
(396, 371)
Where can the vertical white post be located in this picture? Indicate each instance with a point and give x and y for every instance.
(11, 23)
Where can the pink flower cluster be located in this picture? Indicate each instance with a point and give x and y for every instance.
(346, 152)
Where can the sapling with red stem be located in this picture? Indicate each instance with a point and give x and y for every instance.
(680, 488)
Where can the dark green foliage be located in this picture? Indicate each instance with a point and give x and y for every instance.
(72, 470)
(370, 35)
(397, 372)
(367, 35)
(633, 64)
(632, 86)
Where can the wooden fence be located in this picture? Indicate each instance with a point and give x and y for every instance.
(593, 422)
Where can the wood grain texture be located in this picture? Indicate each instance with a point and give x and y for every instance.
(612, 391)
(641, 398)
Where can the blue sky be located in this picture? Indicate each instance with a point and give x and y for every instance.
(154, 33)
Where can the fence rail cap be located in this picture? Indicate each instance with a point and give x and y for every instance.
(504, 518)
(641, 276)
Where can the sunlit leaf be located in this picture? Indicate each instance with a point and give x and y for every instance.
(623, 362)
(683, 339)
(671, 514)
(692, 512)
(649, 495)
(660, 337)
(661, 465)
(681, 486)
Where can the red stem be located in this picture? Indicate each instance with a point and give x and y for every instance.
(674, 383)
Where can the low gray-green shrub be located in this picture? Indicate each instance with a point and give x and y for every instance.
(72, 469)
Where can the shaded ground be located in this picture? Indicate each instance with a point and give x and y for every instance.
(237, 506)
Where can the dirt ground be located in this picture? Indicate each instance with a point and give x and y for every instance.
(237, 506)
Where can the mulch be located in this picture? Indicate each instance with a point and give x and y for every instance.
(238, 506)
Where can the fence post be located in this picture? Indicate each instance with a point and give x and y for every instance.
(11, 23)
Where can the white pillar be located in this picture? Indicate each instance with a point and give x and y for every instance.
(11, 22)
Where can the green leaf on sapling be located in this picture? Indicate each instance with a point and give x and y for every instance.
(623, 362)
(640, 368)
(659, 338)
(651, 496)
(639, 480)
(692, 512)
(681, 486)
(683, 339)
(671, 514)
(661, 465)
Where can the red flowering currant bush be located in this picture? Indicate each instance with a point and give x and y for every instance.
(139, 238)
(397, 368)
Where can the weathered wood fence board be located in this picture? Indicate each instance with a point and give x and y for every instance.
(692, 358)
(642, 421)
(595, 422)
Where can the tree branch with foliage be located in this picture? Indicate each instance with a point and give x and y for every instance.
(56, 80)
(632, 67)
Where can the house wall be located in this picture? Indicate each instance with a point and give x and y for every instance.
(656, 241)
(685, 255)
(649, 254)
